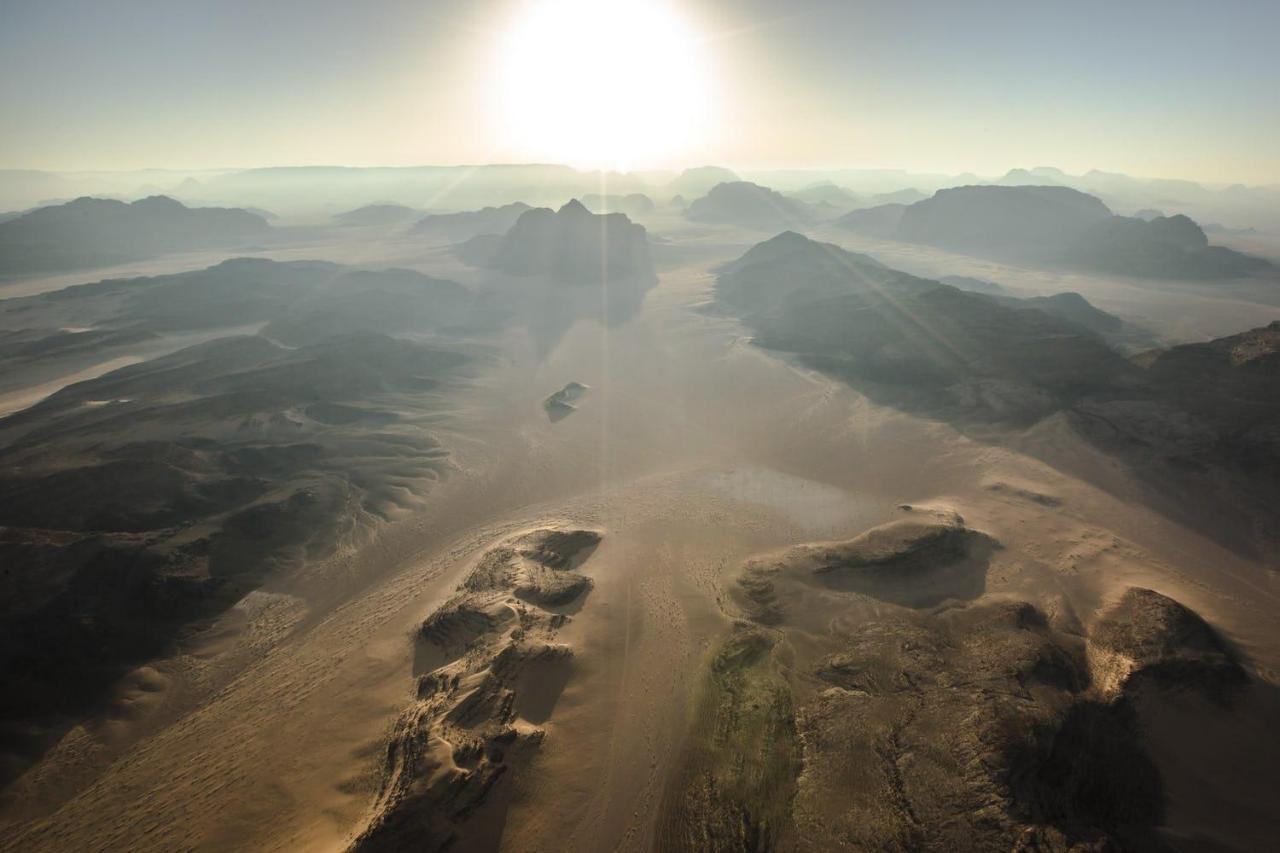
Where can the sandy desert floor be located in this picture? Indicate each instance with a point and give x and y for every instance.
(692, 451)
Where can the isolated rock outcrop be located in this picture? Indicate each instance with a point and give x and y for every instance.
(572, 245)
(561, 403)
(490, 671)
(1147, 635)
(749, 205)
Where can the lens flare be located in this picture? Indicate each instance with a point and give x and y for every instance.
(603, 83)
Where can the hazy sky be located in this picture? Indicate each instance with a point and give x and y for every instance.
(1150, 87)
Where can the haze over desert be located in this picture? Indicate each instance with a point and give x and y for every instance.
(684, 461)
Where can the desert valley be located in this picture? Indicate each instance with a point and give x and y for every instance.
(639, 425)
(553, 528)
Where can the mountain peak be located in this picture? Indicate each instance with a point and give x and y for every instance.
(159, 202)
(573, 207)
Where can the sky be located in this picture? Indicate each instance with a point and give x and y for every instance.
(1161, 88)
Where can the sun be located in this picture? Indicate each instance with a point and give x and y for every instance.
(615, 84)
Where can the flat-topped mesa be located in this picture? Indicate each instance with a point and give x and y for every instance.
(1147, 636)
(1021, 219)
(699, 180)
(1060, 225)
(572, 245)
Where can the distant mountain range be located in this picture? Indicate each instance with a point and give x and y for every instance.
(95, 232)
(376, 214)
(1056, 225)
(306, 191)
(825, 192)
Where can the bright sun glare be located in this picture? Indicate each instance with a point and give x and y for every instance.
(613, 84)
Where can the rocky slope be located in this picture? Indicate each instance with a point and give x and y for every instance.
(860, 716)
(155, 495)
(849, 315)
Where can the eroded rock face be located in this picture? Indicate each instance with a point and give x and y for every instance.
(490, 672)
(910, 737)
(836, 718)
